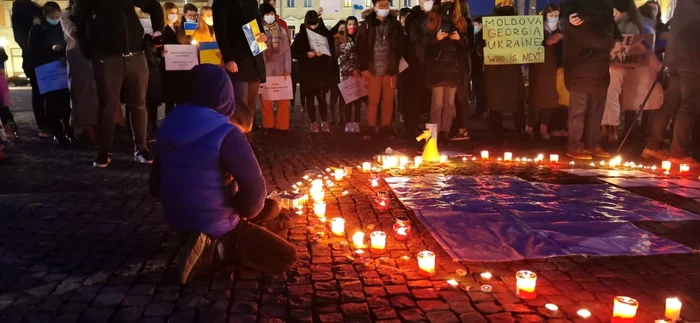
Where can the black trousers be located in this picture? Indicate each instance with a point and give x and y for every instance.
(347, 108)
(479, 91)
(412, 95)
(38, 105)
(320, 96)
(6, 115)
(58, 112)
(334, 104)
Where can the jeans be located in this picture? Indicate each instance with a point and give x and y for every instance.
(246, 93)
(380, 87)
(112, 75)
(442, 109)
(585, 114)
(255, 244)
(682, 101)
(320, 96)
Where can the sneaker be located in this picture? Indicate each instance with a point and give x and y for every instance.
(192, 254)
(690, 161)
(461, 135)
(61, 140)
(103, 160)
(529, 131)
(598, 152)
(349, 127)
(44, 134)
(144, 156)
(656, 154)
(579, 155)
(13, 126)
(325, 127)
(314, 127)
(355, 127)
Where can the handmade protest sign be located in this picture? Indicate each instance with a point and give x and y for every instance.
(331, 6)
(352, 89)
(190, 27)
(636, 50)
(250, 30)
(51, 77)
(318, 43)
(180, 57)
(277, 88)
(513, 40)
(209, 53)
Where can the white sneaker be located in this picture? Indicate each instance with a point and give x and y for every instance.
(314, 127)
(324, 127)
(356, 127)
(349, 127)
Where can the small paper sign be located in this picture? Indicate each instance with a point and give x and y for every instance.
(277, 88)
(403, 65)
(51, 77)
(190, 27)
(318, 43)
(636, 50)
(209, 53)
(352, 89)
(181, 57)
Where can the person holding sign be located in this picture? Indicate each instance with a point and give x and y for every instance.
(205, 27)
(316, 70)
(445, 41)
(347, 64)
(278, 62)
(48, 45)
(174, 82)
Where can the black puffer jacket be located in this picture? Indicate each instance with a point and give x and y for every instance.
(445, 59)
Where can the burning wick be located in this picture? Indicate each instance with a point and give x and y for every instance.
(584, 313)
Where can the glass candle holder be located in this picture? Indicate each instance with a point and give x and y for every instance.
(374, 180)
(426, 263)
(673, 309)
(508, 156)
(378, 241)
(624, 309)
(403, 161)
(358, 240)
(484, 154)
(339, 174)
(402, 228)
(525, 283)
(417, 161)
(338, 226)
(553, 158)
(684, 168)
(320, 209)
(382, 202)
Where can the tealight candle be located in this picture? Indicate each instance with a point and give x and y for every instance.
(572, 163)
(616, 161)
(464, 159)
(317, 195)
(402, 228)
(484, 154)
(592, 164)
(378, 241)
(426, 263)
(486, 276)
(540, 157)
(624, 309)
(673, 309)
(526, 282)
(666, 165)
(338, 226)
(551, 307)
(452, 282)
(508, 156)
(366, 167)
(473, 158)
(374, 180)
(517, 159)
(684, 168)
(339, 173)
(443, 159)
(403, 161)
(584, 313)
(653, 167)
(553, 158)
(417, 161)
(382, 202)
(320, 209)
(358, 240)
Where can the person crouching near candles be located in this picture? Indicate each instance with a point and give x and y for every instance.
(211, 185)
(278, 62)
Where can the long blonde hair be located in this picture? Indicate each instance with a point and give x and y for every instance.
(166, 9)
(435, 17)
(202, 26)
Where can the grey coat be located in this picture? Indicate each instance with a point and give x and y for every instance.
(81, 80)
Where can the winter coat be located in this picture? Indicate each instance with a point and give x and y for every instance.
(347, 59)
(318, 72)
(587, 47)
(505, 87)
(683, 48)
(23, 14)
(81, 80)
(414, 30)
(477, 54)
(542, 93)
(229, 18)
(154, 94)
(175, 84)
(444, 60)
(278, 62)
(366, 37)
(40, 47)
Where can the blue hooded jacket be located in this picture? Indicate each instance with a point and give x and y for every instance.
(198, 153)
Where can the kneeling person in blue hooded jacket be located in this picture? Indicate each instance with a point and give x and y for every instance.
(211, 185)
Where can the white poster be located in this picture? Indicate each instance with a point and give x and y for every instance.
(318, 43)
(403, 65)
(181, 57)
(330, 6)
(277, 88)
(357, 7)
(353, 88)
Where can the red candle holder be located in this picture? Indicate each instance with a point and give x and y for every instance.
(402, 228)
(382, 202)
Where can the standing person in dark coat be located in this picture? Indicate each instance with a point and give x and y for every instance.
(25, 14)
(317, 72)
(111, 35)
(543, 96)
(175, 83)
(414, 97)
(590, 33)
(462, 105)
(477, 71)
(247, 71)
(502, 79)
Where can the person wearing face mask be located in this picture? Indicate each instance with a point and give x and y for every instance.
(47, 44)
(338, 32)
(280, 21)
(458, 130)
(347, 64)
(477, 71)
(500, 79)
(317, 72)
(205, 27)
(175, 83)
(542, 94)
(414, 96)
(278, 62)
(380, 44)
(189, 13)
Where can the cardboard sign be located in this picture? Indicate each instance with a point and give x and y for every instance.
(352, 89)
(330, 6)
(51, 77)
(636, 50)
(513, 40)
(250, 30)
(190, 27)
(181, 57)
(277, 88)
(318, 43)
(209, 53)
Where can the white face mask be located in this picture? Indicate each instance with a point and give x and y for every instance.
(269, 19)
(172, 18)
(428, 5)
(552, 23)
(383, 13)
(209, 21)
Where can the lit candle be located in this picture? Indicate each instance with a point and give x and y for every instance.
(378, 240)
(452, 282)
(592, 164)
(464, 159)
(486, 276)
(517, 159)
(540, 157)
(624, 309)
(320, 209)
(473, 158)
(339, 173)
(616, 161)
(403, 161)
(338, 226)
(443, 159)
(484, 154)
(508, 156)
(402, 228)
(382, 202)
(684, 168)
(551, 307)
(666, 165)
(366, 167)
(572, 163)
(374, 180)
(426, 263)
(602, 163)
(417, 161)
(553, 158)
(584, 313)
(317, 194)
(673, 309)
(525, 284)
(358, 240)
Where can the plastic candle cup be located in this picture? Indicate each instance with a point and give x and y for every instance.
(339, 173)
(417, 161)
(378, 240)
(666, 165)
(486, 276)
(320, 209)
(526, 281)
(673, 309)
(684, 168)
(551, 307)
(452, 282)
(584, 313)
(624, 309)
(508, 156)
(540, 157)
(484, 154)
(382, 202)
(443, 159)
(553, 158)
(426, 263)
(402, 228)
(358, 240)
(366, 167)
(317, 195)
(338, 226)
(403, 161)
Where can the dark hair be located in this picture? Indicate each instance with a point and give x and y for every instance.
(374, 2)
(311, 18)
(404, 12)
(435, 17)
(478, 19)
(635, 17)
(189, 7)
(646, 11)
(267, 1)
(549, 8)
(266, 8)
(51, 7)
(335, 28)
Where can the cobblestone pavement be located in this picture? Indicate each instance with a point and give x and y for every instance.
(85, 245)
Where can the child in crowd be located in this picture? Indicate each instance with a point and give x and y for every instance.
(278, 62)
(347, 62)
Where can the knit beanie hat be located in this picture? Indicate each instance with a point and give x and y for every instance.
(266, 8)
(621, 5)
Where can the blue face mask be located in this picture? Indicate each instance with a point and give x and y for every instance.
(476, 29)
(552, 20)
(52, 21)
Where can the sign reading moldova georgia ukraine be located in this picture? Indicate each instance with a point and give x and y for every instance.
(513, 40)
